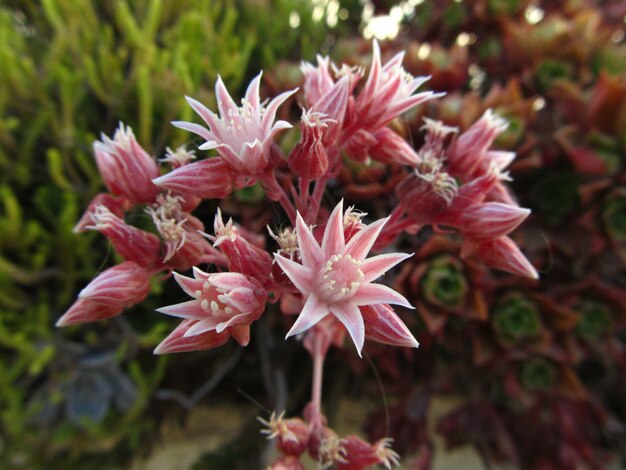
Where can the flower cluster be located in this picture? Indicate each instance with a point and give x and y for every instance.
(321, 269)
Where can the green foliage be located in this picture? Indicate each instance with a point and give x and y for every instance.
(70, 70)
(516, 318)
(537, 373)
(444, 283)
(596, 319)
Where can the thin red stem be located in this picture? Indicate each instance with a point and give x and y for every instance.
(316, 389)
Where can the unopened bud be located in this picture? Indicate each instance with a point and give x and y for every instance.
(490, 220)
(501, 253)
(126, 168)
(308, 159)
(207, 179)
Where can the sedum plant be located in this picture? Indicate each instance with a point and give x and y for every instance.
(323, 278)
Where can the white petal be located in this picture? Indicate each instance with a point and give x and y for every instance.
(359, 245)
(351, 317)
(376, 266)
(334, 241)
(371, 294)
(301, 276)
(312, 312)
(310, 251)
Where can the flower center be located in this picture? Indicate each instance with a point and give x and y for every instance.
(211, 303)
(340, 278)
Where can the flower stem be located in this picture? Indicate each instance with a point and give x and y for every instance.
(316, 389)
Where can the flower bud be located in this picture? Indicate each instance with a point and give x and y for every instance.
(384, 326)
(358, 454)
(490, 220)
(126, 168)
(467, 152)
(288, 462)
(359, 145)
(86, 311)
(292, 435)
(131, 243)
(109, 294)
(308, 158)
(207, 179)
(117, 205)
(392, 148)
(426, 195)
(124, 284)
(317, 80)
(177, 341)
(243, 256)
(500, 253)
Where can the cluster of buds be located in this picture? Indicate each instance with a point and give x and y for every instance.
(294, 437)
(321, 270)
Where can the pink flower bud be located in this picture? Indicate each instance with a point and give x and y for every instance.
(384, 326)
(288, 462)
(207, 179)
(474, 191)
(243, 256)
(192, 253)
(117, 205)
(308, 158)
(490, 220)
(359, 454)
(126, 168)
(426, 195)
(292, 435)
(109, 294)
(333, 105)
(179, 157)
(359, 145)
(177, 341)
(86, 311)
(124, 284)
(391, 148)
(130, 242)
(501, 253)
(467, 153)
(317, 80)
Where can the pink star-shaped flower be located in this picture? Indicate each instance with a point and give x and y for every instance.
(241, 135)
(336, 278)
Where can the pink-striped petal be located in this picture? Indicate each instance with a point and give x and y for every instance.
(190, 309)
(235, 320)
(194, 129)
(333, 241)
(310, 251)
(176, 342)
(312, 312)
(351, 317)
(252, 92)
(360, 244)
(228, 108)
(371, 294)
(188, 284)
(301, 276)
(384, 326)
(270, 111)
(208, 324)
(376, 266)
